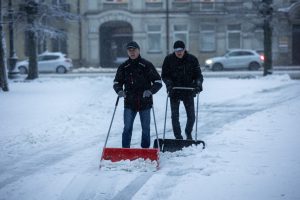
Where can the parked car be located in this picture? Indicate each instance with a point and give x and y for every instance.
(236, 59)
(48, 62)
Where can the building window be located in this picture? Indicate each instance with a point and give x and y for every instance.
(59, 43)
(207, 4)
(181, 33)
(41, 42)
(181, 5)
(26, 44)
(207, 38)
(258, 41)
(62, 4)
(283, 42)
(153, 4)
(58, 2)
(154, 38)
(117, 1)
(234, 36)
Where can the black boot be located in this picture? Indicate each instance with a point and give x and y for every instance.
(189, 136)
(179, 137)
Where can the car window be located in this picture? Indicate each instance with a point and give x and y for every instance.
(51, 57)
(246, 53)
(47, 57)
(235, 53)
(40, 58)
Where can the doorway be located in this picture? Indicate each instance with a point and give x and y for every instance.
(114, 36)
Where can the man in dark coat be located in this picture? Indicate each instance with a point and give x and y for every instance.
(181, 69)
(136, 80)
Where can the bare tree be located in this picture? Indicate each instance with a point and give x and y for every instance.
(264, 10)
(3, 74)
(41, 22)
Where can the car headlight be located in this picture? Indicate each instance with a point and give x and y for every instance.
(208, 62)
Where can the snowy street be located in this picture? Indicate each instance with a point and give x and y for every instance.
(52, 132)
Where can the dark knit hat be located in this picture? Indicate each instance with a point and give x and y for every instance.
(179, 45)
(132, 45)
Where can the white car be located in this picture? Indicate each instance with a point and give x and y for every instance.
(48, 62)
(236, 59)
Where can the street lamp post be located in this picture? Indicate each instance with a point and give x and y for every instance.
(266, 10)
(167, 27)
(12, 72)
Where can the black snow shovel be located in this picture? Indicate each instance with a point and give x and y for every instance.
(172, 145)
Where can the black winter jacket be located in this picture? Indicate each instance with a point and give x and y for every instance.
(184, 72)
(136, 76)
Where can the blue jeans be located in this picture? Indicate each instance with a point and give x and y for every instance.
(129, 116)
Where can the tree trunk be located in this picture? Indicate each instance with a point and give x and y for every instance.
(3, 74)
(33, 67)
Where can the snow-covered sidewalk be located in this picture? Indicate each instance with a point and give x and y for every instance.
(52, 132)
(254, 158)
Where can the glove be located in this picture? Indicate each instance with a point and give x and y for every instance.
(121, 93)
(147, 93)
(169, 85)
(169, 88)
(198, 89)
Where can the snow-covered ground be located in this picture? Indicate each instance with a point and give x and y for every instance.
(52, 132)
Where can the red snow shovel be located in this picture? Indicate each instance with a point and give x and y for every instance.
(172, 145)
(118, 154)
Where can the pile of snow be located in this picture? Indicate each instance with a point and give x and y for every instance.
(93, 69)
(127, 165)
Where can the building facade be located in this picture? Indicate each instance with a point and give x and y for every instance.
(208, 27)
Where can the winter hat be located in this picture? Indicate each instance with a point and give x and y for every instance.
(132, 45)
(179, 45)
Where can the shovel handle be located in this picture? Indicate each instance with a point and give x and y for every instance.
(197, 118)
(112, 119)
(155, 127)
(183, 88)
(117, 102)
(203, 144)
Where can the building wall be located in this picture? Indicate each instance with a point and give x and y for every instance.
(83, 41)
(139, 15)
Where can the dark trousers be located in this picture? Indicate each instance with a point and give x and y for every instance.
(188, 103)
(129, 116)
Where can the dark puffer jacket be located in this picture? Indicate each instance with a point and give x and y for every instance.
(137, 76)
(184, 72)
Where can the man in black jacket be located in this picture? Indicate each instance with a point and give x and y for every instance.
(136, 80)
(181, 69)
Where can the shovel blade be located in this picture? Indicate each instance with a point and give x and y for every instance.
(118, 154)
(172, 145)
